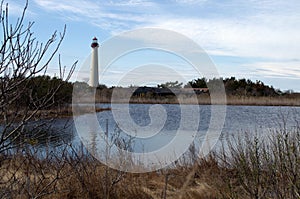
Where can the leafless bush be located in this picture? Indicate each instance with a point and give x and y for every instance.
(22, 57)
(249, 168)
(256, 167)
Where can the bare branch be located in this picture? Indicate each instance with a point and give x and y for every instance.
(23, 58)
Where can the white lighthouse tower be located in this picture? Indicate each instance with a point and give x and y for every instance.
(94, 75)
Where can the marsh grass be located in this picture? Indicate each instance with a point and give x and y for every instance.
(263, 100)
(250, 167)
(204, 99)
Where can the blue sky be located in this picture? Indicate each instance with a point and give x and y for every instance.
(256, 39)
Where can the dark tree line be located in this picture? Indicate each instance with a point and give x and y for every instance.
(39, 87)
(41, 92)
(175, 84)
(235, 86)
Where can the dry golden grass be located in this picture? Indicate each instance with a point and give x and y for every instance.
(27, 177)
(248, 169)
(204, 99)
(268, 101)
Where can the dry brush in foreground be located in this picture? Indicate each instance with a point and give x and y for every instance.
(249, 168)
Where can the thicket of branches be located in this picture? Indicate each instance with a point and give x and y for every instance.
(22, 59)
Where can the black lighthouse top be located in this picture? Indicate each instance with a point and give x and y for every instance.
(95, 43)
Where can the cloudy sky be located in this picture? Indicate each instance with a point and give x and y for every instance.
(256, 39)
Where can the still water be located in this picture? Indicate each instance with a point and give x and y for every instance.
(155, 135)
(148, 131)
(147, 128)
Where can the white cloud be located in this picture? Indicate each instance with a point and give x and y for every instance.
(132, 3)
(290, 70)
(72, 6)
(246, 38)
(268, 30)
(98, 9)
(114, 16)
(15, 8)
(191, 2)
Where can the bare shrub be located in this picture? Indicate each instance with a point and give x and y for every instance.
(22, 58)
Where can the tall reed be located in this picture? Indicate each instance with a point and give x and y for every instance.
(251, 166)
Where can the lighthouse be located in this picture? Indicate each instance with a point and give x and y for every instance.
(94, 76)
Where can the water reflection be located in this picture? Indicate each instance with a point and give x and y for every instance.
(239, 120)
(43, 133)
